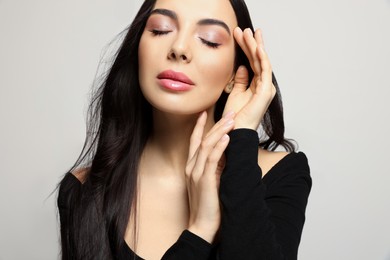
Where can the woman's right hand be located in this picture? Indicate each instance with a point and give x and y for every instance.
(203, 170)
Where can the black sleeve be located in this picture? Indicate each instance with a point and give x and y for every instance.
(190, 247)
(257, 224)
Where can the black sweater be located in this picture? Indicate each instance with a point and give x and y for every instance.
(262, 218)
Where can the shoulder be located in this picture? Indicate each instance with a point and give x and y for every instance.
(295, 160)
(285, 169)
(267, 159)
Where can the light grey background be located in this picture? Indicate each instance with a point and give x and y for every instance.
(331, 58)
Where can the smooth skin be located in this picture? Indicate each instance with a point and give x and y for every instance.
(187, 44)
(183, 160)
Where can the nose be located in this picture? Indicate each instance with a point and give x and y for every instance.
(178, 55)
(180, 49)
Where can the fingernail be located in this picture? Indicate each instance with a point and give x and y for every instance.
(249, 31)
(229, 122)
(202, 114)
(224, 138)
(230, 113)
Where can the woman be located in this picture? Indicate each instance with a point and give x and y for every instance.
(170, 168)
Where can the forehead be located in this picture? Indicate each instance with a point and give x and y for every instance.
(194, 10)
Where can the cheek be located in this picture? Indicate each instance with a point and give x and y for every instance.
(216, 71)
(218, 67)
(145, 58)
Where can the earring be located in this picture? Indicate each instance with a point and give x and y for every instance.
(229, 87)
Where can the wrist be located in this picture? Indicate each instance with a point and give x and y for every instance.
(239, 125)
(240, 122)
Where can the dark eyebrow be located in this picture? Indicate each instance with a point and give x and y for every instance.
(209, 21)
(165, 12)
(214, 22)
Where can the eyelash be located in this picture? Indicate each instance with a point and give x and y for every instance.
(158, 33)
(208, 43)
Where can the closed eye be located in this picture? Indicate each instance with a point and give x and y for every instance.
(210, 44)
(158, 32)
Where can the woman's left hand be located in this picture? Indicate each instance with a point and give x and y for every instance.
(250, 104)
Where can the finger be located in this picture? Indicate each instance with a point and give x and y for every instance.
(239, 37)
(252, 47)
(197, 134)
(260, 44)
(227, 116)
(215, 157)
(266, 69)
(259, 38)
(196, 139)
(208, 145)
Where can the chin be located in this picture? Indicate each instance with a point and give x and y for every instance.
(180, 110)
(180, 107)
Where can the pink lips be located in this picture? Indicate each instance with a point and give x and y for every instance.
(174, 81)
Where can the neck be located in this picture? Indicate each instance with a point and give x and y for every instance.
(170, 139)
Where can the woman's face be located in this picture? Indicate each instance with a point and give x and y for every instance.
(186, 54)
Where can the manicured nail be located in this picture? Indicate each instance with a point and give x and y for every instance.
(229, 114)
(248, 30)
(229, 122)
(224, 138)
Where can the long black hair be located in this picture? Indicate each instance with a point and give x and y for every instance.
(119, 124)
